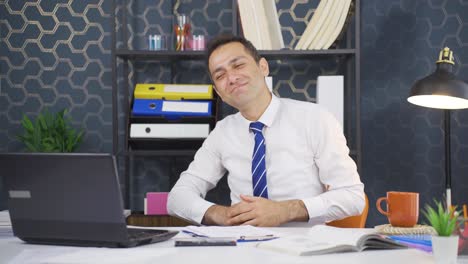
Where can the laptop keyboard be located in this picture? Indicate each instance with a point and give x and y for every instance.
(136, 233)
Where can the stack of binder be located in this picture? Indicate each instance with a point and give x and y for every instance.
(171, 115)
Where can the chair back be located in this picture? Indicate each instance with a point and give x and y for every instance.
(356, 221)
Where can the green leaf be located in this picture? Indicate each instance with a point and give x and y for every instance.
(27, 124)
(49, 133)
(442, 220)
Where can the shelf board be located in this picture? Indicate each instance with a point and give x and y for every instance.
(168, 55)
(167, 153)
(184, 119)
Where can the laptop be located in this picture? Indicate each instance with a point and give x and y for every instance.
(69, 199)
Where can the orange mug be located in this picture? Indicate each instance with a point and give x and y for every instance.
(402, 208)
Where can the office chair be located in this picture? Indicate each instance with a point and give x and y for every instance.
(356, 221)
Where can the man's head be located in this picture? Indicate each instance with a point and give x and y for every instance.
(225, 39)
(237, 71)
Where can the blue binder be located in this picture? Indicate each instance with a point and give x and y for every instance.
(171, 108)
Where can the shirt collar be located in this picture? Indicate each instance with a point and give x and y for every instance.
(268, 117)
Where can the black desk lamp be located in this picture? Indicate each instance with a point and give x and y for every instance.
(442, 90)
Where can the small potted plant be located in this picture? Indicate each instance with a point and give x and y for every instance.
(50, 133)
(444, 221)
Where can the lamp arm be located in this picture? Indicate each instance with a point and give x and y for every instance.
(448, 159)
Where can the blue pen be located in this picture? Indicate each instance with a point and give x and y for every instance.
(256, 238)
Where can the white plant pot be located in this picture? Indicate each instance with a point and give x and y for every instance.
(444, 249)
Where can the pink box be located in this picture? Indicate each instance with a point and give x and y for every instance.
(156, 203)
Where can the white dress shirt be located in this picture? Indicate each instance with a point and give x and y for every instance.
(306, 158)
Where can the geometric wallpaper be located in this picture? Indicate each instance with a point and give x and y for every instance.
(403, 144)
(57, 54)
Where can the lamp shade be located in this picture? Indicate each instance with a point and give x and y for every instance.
(441, 89)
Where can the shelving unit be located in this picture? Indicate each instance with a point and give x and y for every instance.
(348, 56)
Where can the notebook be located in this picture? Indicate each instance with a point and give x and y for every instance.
(69, 199)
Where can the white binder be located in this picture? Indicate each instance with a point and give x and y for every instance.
(330, 95)
(169, 130)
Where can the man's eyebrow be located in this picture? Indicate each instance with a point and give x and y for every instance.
(234, 60)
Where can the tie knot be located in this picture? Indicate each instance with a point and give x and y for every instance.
(256, 127)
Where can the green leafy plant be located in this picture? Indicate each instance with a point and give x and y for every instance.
(50, 133)
(442, 220)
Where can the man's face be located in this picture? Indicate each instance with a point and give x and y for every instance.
(238, 79)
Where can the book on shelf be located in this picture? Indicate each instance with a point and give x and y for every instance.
(314, 25)
(273, 24)
(171, 109)
(249, 22)
(169, 131)
(322, 239)
(260, 24)
(341, 24)
(325, 27)
(173, 91)
(332, 24)
(330, 95)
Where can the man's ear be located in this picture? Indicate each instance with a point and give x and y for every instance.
(263, 63)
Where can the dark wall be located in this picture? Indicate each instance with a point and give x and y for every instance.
(70, 66)
(403, 144)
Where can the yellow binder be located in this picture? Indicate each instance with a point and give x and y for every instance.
(173, 91)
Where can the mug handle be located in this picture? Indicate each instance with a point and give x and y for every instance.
(379, 201)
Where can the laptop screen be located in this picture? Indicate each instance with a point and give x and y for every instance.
(63, 195)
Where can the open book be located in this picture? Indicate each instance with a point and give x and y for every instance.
(323, 239)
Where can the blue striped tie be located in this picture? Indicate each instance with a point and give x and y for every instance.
(259, 181)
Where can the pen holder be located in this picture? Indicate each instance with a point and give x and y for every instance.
(182, 32)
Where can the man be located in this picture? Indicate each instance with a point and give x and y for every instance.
(287, 160)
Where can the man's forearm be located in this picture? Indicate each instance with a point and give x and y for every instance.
(215, 215)
(295, 211)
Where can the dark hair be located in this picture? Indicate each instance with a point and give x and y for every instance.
(226, 39)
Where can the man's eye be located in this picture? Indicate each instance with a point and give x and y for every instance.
(239, 65)
(219, 77)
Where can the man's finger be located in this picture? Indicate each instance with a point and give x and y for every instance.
(239, 208)
(249, 198)
(241, 218)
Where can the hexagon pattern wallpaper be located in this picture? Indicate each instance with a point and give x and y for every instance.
(57, 54)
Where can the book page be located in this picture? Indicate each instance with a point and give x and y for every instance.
(320, 239)
(304, 246)
(346, 236)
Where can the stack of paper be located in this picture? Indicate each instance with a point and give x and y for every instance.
(241, 233)
(326, 25)
(5, 224)
(260, 24)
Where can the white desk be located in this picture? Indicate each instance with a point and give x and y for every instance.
(13, 250)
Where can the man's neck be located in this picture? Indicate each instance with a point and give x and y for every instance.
(257, 107)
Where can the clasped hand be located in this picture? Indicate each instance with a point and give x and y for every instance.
(257, 211)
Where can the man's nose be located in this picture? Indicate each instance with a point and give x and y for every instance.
(232, 77)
